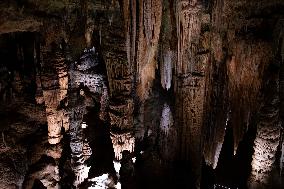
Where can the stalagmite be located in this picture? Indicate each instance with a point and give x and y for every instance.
(80, 149)
(51, 98)
(282, 156)
(86, 79)
(267, 137)
(149, 32)
(104, 102)
(166, 119)
(54, 84)
(168, 134)
(76, 136)
(280, 59)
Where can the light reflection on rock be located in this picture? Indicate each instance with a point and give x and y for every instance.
(104, 181)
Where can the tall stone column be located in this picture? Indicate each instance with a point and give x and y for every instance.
(54, 80)
(190, 84)
(116, 54)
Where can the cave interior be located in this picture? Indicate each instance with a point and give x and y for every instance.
(141, 94)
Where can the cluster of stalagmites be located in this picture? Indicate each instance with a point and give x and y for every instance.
(66, 92)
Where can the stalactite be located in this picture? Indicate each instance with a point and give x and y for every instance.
(166, 70)
(166, 47)
(168, 134)
(133, 35)
(121, 114)
(129, 12)
(188, 32)
(118, 41)
(240, 90)
(147, 75)
(217, 110)
(149, 32)
(89, 25)
(113, 42)
(245, 72)
(122, 142)
(39, 96)
(119, 77)
(213, 146)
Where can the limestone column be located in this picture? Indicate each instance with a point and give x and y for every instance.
(190, 85)
(54, 80)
